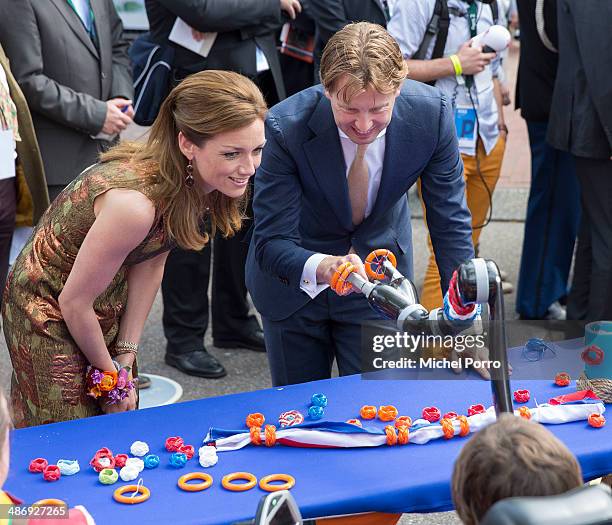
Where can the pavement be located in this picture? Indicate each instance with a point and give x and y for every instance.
(501, 240)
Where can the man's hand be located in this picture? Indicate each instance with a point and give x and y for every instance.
(291, 7)
(116, 120)
(472, 59)
(129, 403)
(328, 266)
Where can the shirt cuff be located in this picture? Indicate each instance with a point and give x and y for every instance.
(308, 280)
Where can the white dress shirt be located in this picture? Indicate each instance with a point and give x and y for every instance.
(408, 24)
(83, 10)
(375, 155)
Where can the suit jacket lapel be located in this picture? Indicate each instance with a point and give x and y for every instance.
(324, 154)
(76, 25)
(380, 6)
(401, 147)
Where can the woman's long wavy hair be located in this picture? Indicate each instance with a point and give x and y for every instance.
(201, 106)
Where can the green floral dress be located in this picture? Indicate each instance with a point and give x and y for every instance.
(48, 382)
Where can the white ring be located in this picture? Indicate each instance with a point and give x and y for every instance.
(482, 280)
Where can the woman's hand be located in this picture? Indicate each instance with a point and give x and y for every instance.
(129, 403)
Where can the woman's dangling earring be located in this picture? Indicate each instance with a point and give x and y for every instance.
(189, 180)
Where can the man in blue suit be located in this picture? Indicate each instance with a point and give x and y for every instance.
(331, 187)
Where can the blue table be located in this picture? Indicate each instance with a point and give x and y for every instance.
(412, 478)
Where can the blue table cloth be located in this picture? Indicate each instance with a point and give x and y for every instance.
(412, 478)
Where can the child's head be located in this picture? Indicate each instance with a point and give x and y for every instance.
(510, 458)
(5, 425)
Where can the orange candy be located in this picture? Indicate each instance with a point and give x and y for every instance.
(387, 413)
(367, 412)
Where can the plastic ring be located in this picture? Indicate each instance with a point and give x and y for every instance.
(450, 415)
(255, 435)
(403, 435)
(447, 428)
(597, 420)
(589, 359)
(367, 412)
(144, 494)
(521, 396)
(227, 480)
(391, 435)
(255, 420)
(265, 482)
(108, 476)
(343, 286)
(562, 379)
(387, 413)
(465, 426)
(50, 502)
(431, 414)
(337, 274)
(403, 421)
(270, 435)
(377, 257)
(195, 487)
(38, 465)
(319, 400)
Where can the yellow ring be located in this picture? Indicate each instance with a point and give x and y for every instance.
(227, 481)
(265, 482)
(195, 487)
(50, 502)
(145, 494)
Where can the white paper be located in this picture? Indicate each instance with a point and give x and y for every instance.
(182, 35)
(7, 154)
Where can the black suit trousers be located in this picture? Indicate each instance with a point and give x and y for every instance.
(590, 298)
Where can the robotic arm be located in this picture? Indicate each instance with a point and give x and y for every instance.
(475, 282)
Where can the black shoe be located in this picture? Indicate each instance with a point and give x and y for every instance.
(253, 340)
(144, 381)
(197, 363)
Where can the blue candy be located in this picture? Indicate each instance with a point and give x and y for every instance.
(315, 412)
(152, 461)
(178, 460)
(319, 400)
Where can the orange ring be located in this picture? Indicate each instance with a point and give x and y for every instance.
(381, 252)
(391, 435)
(367, 412)
(447, 428)
(50, 502)
(270, 432)
(403, 435)
(524, 412)
(145, 494)
(403, 421)
(255, 420)
(465, 426)
(387, 413)
(596, 420)
(334, 280)
(255, 435)
(227, 481)
(195, 487)
(343, 286)
(264, 483)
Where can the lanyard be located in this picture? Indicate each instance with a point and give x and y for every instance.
(472, 15)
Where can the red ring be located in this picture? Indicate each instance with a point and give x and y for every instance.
(52, 473)
(476, 409)
(522, 396)
(562, 379)
(174, 443)
(593, 361)
(431, 414)
(38, 465)
(597, 420)
(450, 415)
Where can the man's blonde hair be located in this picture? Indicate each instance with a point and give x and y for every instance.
(367, 55)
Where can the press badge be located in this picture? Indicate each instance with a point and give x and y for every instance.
(465, 123)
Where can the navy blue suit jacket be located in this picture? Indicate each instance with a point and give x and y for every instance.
(301, 203)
